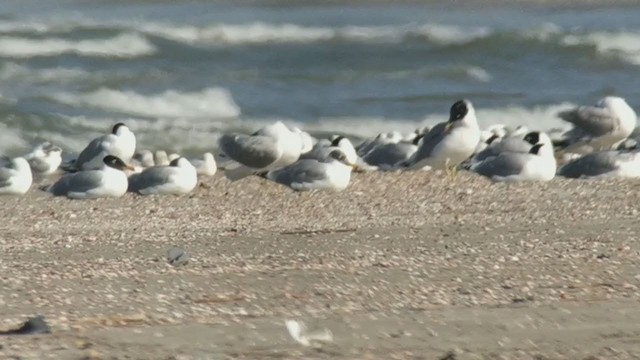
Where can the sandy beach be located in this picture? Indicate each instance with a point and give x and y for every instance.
(399, 266)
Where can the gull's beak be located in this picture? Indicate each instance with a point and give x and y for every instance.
(129, 167)
(355, 167)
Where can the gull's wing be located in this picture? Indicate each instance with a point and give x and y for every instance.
(505, 164)
(95, 148)
(592, 164)
(152, 177)
(429, 142)
(253, 151)
(593, 120)
(79, 182)
(302, 172)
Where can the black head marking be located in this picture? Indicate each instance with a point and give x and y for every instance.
(175, 161)
(114, 162)
(532, 137)
(337, 140)
(535, 149)
(416, 140)
(493, 138)
(458, 110)
(116, 127)
(338, 155)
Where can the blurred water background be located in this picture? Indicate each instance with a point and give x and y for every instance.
(181, 72)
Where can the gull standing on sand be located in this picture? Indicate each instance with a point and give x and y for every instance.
(272, 147)
(599, 127)
(448, 143)
(121, 143)
(108, 181)
(603, 164)
(44, 159)
(538, 164)
(206, 165)
(179, 177)
(15, 176)
(334, 173)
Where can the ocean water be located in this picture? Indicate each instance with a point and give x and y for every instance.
(179, 73)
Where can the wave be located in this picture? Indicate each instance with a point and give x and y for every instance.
(196, 135)
(11, 139)
(210, 102)
(622, 44)
(263, 33)
(126, 45)
(13, 71)
(625, 45)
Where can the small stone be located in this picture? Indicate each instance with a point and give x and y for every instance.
(177, 256)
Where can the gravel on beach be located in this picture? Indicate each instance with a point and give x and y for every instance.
(399, 266)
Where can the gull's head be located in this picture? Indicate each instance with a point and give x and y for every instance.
(611, 102)
(20, 163)
(208, 157)
(305, 138)
(53, 150)
(161, 158)
(535, 149)
(538, 137)
(145, 157)
(119, 129)
(532, 137)
(346, 146)
(462, 113)
(339, 155)
(180, 162)
(116, 163)
(491, 139)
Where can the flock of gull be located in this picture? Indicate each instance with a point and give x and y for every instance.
(596, 146)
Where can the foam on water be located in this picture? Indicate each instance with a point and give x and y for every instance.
(625, 45)
(208, 103)
(126, 45)
(199, 134)
(11, 140)
(13, 71)
(132, 42)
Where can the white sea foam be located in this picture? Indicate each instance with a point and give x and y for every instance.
(625, 45)
(12, 71)
(11, 140)
(257, 33)
(126, 45)
(200, 134)
(208, 103)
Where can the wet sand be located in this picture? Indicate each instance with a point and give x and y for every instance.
(399, 266)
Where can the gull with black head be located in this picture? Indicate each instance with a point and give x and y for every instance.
(108, 181)
(449, 143)
(121, 143)
(332, 173)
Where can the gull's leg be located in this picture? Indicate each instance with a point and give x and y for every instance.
(452, 171)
